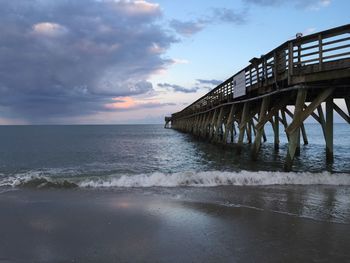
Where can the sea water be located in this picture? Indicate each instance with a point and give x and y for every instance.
(149, 158)
(149, 155)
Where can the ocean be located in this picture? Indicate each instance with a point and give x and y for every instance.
(97, 180)
(149, 155)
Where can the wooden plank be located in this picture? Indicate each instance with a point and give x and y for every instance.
(337, 55)
(307, 55)
(336, 41)
(336, 48)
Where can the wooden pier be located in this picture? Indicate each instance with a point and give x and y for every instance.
(299, 79)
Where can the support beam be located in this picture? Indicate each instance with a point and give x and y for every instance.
(229, 123)
(329, 129)
(314, 115)
(218, 125)
(249, 132)
(233, 131)
(294, 135)
(341, 113)
(242, 125)
(347, 102)
(263, 130)
(276, 132)
(201, 124)
(285, 123)
(253, 126)
(322, 120)
(303, 131)
(205, 126)
(212, 123)
(260, 126)
(307, 112)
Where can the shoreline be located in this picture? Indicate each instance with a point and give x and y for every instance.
(158, 225)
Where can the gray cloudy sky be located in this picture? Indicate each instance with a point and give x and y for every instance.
(63, 57)
(124, 61)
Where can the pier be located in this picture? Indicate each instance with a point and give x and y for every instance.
(304, 77)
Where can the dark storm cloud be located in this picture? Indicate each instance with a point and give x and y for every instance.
(217, 15)
(177, 88)
(65, 58)
(305, 4)
(209, 81)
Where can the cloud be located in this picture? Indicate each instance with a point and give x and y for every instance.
(304, 4)
(66, 58)
(180, 61)
(187, 28)
(177, 88)
(216, 16)
(129, 103)
(49, 29)
(225, 15)
(209, 81)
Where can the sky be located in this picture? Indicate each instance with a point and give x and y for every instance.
(123, 62)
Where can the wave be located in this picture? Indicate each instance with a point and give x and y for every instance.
(193, 179)
(218, 178)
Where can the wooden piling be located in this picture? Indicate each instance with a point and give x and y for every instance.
(242, 126)
(260, 126)
(276, 131)
(294, 135)
(329, 129)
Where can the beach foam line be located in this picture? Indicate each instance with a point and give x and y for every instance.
(219, 178)
(193, 179)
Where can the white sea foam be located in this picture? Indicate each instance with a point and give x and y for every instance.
(217, 178)
(196, 179)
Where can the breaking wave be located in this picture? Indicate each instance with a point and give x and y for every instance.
(193, 179)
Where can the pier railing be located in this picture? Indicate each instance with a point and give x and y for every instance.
(294, 62)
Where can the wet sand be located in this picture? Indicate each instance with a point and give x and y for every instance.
(139, 226)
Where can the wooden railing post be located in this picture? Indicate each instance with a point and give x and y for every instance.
(290, 62)
(320, 54)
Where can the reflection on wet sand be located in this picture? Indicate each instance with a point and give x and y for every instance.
(227, 224)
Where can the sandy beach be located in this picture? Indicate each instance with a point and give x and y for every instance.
(86, 225)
